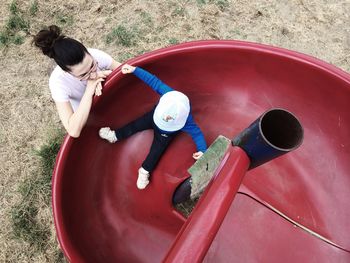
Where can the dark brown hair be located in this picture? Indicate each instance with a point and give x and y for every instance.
(64, 50)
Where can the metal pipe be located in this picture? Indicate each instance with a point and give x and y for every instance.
(273, 134)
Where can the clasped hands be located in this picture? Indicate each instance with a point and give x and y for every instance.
(96, 83)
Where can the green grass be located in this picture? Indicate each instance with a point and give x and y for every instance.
(48, 154)
(178, 11)
(222, 4)
(27, 228)
(33, 8)
(24, 216)
(146, 18)
(125, 56)
(187, 207)
(201, 2)
(4, 38)
(13, 8)
(18, 40)
(173, 41)
(16, 27)
(17, 23)
(64, 20)
(121, 35)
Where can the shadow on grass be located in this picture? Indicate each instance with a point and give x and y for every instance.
(35, 194)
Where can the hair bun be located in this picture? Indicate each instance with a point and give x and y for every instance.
(46, 39)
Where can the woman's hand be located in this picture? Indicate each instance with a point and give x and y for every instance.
(126, 69)
(98, 89)
(103, 73)
(197, 155)
(94, 86)
(99, 74)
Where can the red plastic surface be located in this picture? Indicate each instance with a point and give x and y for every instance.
(256, 234)
(100, 216)
(197, 234)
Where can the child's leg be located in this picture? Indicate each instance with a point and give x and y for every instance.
(142, 123)
(159, 144)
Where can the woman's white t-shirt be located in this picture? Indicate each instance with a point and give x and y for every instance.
(65, 87)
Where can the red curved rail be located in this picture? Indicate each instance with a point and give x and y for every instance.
(200, 229)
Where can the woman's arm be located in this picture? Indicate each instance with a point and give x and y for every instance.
(72, 121)
(114, 65)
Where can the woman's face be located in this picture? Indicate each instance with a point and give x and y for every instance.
(86, 69)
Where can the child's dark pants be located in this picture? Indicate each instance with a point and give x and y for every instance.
(160, 140)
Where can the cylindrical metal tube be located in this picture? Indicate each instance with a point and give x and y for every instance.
(273, 134)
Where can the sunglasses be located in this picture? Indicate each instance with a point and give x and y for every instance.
(91, 73)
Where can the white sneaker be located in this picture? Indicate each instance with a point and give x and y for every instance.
(107, 134)
(142, 180)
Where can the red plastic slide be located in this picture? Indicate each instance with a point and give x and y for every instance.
(293, 209)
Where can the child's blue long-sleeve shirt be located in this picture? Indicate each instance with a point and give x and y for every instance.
(161, 88)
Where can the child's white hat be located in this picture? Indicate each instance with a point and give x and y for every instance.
(172, 111)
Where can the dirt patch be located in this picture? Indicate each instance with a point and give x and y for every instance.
(125, 29)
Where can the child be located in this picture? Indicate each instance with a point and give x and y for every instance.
(171, 115)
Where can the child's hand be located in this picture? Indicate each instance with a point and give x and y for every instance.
(126, 69)
(197, 155)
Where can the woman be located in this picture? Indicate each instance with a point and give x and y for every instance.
(76, 78)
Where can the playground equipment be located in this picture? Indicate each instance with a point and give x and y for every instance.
(275, 133)
(295, 208)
